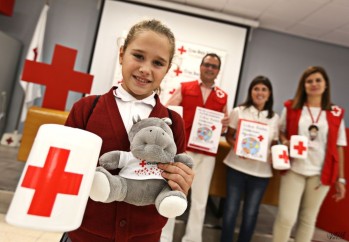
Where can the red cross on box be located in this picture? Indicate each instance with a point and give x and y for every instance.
(284, 156)
(50, 180)
(300, 147)
(59, 77)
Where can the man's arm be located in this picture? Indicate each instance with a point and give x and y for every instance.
(225, 120)
(176, 98)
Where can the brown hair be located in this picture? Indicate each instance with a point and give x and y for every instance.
(155, 26)
(270, 102)
(301, 97)
(152, 25)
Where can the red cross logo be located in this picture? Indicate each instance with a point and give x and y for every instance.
(9, 140)
(336, 111)
(59, 77)
(213, 127)
(143, 163)
(300, 148)
(178, 71)
(182, 50)
(261, 138)
(284, 156)
(172, 91)
(50, 180)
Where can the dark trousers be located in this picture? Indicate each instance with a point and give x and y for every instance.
(250, 189)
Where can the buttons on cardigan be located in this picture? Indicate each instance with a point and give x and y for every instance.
(122, 223)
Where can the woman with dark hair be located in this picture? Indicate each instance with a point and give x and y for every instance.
(247, 178)
(304, 187)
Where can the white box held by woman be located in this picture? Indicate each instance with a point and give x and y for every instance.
(280, 157)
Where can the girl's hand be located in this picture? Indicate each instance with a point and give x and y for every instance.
(340, 192)
(179, 176)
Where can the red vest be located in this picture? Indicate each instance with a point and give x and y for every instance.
(192, 98)
(334, 117)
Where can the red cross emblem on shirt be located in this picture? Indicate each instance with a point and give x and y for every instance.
(59, 77)
(50, 180)
(300, 148)
(142, 163)
(284, 156)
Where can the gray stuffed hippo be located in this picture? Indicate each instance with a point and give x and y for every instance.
(139, 181)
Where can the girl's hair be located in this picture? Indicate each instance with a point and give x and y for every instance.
(155, 26)
(269, 104)
(152, 25)
(301, 97)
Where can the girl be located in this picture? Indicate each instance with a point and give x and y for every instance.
(145, 58)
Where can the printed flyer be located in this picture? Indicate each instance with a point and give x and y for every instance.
(252, 140)
(206, 130)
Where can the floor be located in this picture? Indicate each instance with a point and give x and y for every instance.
(10, 172)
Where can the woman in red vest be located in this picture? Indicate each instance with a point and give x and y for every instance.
(304, 187)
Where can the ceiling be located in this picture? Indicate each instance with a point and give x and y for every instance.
(322, 20)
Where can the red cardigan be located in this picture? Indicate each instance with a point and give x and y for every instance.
(192, 98)
(118, 221)
(334, 117)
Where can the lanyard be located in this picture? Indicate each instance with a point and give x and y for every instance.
(311, 115)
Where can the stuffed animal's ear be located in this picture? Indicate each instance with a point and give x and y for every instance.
(168, 121)
(136, 121)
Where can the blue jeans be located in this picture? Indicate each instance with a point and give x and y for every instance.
(251, 189)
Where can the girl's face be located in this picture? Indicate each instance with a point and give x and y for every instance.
(145, 62)
(315, 84)
(260, 95)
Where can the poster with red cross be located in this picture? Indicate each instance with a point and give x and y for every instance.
(252, 140)
(206, 130)
(54, 187)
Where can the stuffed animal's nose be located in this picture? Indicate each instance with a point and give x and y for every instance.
(157, 136)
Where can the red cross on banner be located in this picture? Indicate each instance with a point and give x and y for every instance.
(182, 50)
(59, 77)
(50, 180)
(300, 147)
(177, 71)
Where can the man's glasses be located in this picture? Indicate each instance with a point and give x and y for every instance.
(213, 66)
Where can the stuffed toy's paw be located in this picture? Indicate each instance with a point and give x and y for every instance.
(100, 189)
(172, 206)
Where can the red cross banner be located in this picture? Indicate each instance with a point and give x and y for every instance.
(280, 157)
(54, 187)
(299, 146)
